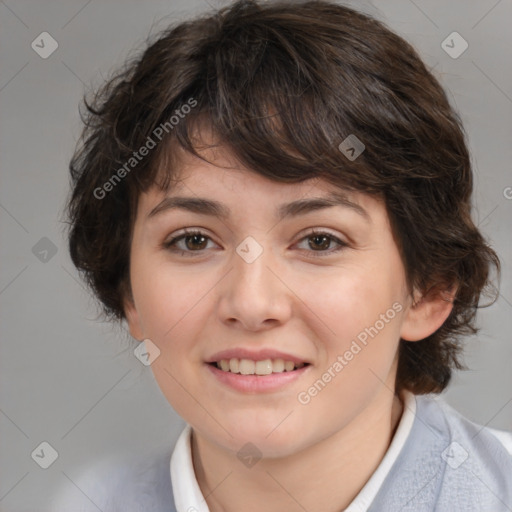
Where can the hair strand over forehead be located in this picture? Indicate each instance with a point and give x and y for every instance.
(281, 85)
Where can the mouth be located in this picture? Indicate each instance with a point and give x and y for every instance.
(259, 368)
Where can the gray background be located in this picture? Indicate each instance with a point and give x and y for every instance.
(73, 381)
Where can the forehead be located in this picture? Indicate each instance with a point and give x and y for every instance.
(179, 168)
(222, 187)
(221, 171)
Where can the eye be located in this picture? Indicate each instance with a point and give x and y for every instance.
(188, 242)
(320, 242)
(195, 241)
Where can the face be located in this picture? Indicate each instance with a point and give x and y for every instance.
(303, 278)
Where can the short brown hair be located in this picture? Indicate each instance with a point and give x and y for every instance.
(287, 82)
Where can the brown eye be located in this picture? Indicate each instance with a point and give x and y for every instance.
(320, 242)
(188, 243)
(195, 242)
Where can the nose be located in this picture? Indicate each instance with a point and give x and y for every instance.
(254, 295)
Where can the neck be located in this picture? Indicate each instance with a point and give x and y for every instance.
(326, 476)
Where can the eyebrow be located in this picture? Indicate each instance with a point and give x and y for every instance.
(213, 208)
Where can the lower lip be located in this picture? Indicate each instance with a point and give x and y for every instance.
(257, 383)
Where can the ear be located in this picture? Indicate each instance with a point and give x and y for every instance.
(133, 319)
(427, 313)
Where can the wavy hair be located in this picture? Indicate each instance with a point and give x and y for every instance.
(287, 82)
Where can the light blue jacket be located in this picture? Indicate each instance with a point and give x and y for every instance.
(448, 464)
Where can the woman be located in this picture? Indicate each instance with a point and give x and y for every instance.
(276, 198)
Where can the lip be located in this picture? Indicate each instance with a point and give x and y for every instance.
(253, 384)
(259, 355)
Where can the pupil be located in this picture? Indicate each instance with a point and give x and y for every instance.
(323, 239)
(196, 240)
(318, 240)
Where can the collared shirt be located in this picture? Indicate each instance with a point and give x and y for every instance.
(437, 460)
(188, 496)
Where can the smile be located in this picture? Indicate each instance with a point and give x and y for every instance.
(262, 376)
(262, 367)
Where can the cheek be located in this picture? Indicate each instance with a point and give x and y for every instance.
(351, 302)
(359, 314)
(173, 307)
(167, 299)
(358, 349)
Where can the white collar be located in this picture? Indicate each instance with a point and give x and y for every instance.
(188, 496)
(367, 494)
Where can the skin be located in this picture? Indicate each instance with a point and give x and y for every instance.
(316, 456)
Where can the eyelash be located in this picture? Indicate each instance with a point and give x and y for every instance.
(168, 245)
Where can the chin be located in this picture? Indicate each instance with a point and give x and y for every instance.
(271, 438)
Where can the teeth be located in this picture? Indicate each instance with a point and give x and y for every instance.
(278, 365)
(246, 367)
(263, 367)
(233, 365)
(250, 367)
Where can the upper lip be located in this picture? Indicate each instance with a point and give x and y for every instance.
(254, 355)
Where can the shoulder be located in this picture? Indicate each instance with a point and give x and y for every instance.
(434, 410)
(504, 437)
(448, 463)
(477, 460)
(115, 484)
